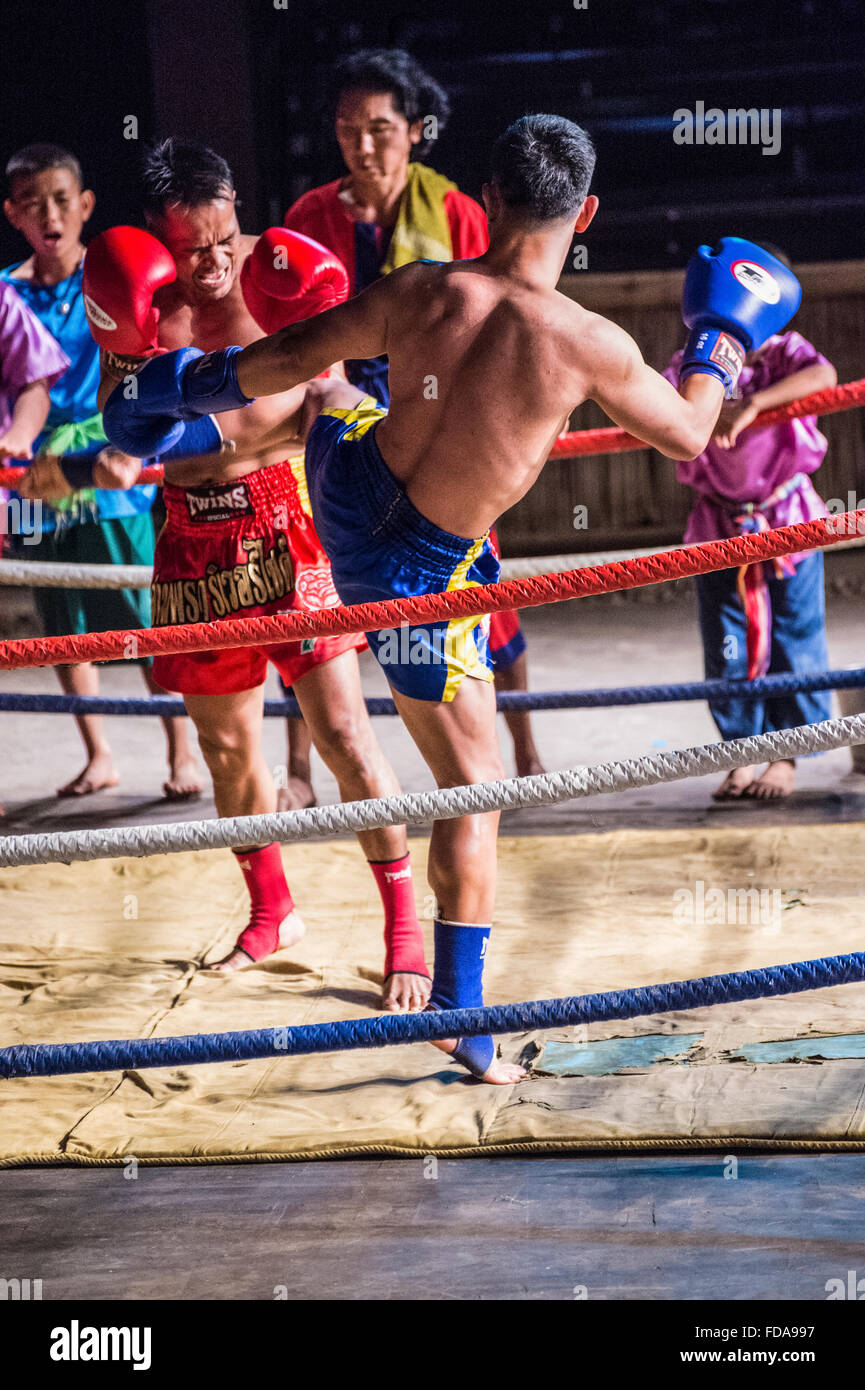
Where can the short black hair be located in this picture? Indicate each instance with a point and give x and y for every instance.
(182, 173)
(542, 167)
(35, 159)
(415, 94)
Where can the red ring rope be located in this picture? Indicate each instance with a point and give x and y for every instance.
(611, 440)
(616, 441)
(490, 598)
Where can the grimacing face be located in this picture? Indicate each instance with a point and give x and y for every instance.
(375, 139)
(49, 209)
(205, 243)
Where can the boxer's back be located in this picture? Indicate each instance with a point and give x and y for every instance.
(482, 378)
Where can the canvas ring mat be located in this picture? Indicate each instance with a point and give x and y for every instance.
(113, 949)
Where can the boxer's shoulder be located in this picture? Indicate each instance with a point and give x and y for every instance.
(175, 318)
(597, 348)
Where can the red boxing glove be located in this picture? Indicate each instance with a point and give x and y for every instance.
(288, 277)
(123, 269)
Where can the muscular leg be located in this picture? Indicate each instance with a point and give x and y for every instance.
(229, 733)
(519, 722)
(459, 744)
(331, 699)
(99, 771)
(184, 783)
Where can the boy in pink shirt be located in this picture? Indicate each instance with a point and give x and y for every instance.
(767, 617)
(30, 362)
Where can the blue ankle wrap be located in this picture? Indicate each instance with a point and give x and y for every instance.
(460, 951)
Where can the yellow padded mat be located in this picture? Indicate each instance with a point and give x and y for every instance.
(111, 950)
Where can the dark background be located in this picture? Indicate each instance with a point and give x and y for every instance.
(251, 79)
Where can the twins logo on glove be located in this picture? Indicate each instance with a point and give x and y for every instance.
(758, 280)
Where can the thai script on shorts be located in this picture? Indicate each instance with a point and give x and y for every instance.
(267, 575)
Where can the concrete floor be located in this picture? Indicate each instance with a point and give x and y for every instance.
(476, 1229)
(629, 1228)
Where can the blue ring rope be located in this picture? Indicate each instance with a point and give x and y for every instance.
(62, 1059)
(781, 683)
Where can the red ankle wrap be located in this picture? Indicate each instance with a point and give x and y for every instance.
(403, 935)
(271, 900)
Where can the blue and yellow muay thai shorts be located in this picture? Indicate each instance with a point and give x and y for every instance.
(381, 547)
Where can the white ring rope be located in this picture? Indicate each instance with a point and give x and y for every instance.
(41, 574)
(418, 808)
(50, 574)
(532, 567)
(535, 566)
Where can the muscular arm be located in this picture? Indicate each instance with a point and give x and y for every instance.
(355, 329)
(677, 423)
(251, 436)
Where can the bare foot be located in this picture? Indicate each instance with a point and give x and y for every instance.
(778, 780)
(99, 773)
(734, 785)
(498, 1073)
(405, 992)
(291, 929)
(297, 796)
(528, 763)
(184, 783)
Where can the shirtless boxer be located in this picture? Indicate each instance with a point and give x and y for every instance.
(239, 538)
(397, 497)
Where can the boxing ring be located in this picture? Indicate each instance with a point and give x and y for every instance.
(748, 1052)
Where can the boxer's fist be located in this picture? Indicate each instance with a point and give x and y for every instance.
(288, 277)
(733, 300)
(123, 269)
(148, 415)
(115, 470)
(44, 481)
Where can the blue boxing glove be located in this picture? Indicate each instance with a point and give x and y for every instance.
(734, 299)
(145, 416)
(199, 436)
